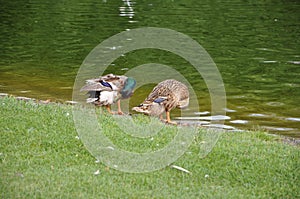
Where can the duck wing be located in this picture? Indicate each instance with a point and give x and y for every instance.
(171, 93)
(124, 85)
(159, 93)
(98, 85)
(95, 87)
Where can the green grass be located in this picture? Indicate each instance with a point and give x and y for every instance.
(40, 157)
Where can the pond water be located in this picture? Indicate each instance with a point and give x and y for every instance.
(255, 46)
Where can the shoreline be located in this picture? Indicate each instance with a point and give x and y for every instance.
(48, 101)
(283, 138)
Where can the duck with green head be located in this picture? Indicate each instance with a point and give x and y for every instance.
(109, 89)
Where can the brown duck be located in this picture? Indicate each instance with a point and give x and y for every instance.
(167, 95)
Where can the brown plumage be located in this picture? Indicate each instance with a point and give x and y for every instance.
(167, 95)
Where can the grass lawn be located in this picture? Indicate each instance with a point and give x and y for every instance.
(42, 157)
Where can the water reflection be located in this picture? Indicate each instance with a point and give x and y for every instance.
(127, 9)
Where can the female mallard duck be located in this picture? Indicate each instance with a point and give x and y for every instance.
(109, 89)
(165, 96)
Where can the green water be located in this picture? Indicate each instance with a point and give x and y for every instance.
(255, 46)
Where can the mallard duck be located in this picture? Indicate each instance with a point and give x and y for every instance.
(109, 89)
(165, 96)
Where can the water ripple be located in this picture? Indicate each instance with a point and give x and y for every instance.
(295, 119)
(277, 128)
(239, 121)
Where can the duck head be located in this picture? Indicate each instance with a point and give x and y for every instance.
(153, 108)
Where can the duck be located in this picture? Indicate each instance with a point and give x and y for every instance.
(164, 97)
(109, 89)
